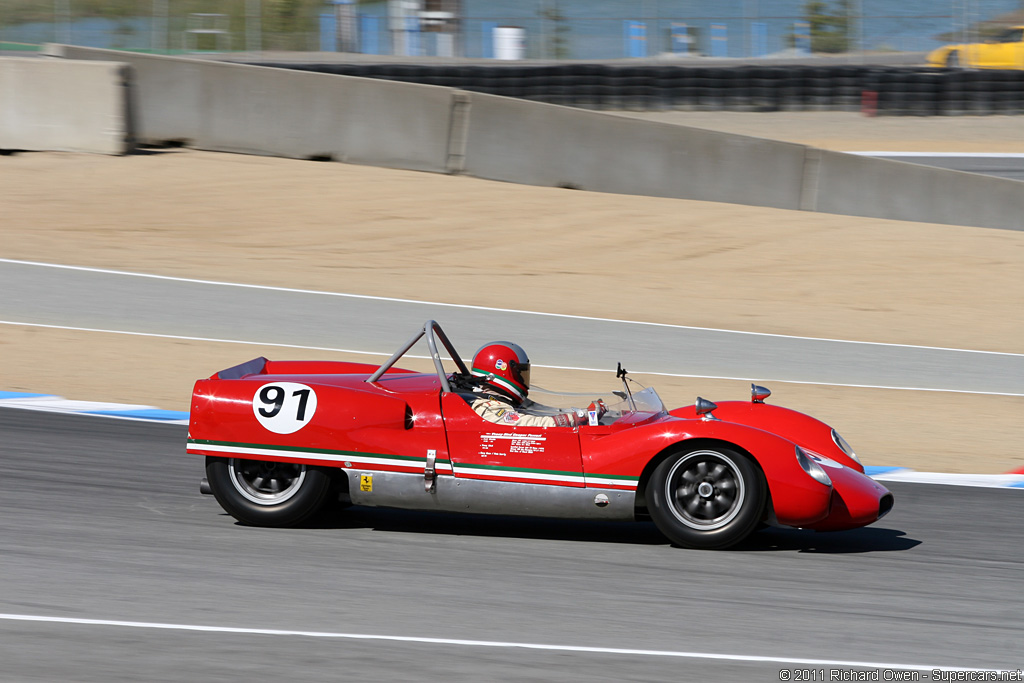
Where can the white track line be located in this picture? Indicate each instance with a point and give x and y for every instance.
(553, 367)
(944, 155)
(490, 643)
(106, 271)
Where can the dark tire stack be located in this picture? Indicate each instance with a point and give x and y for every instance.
(891, 93)
(978, 94)
(514, 81)
(818, 84)
(954, 93)
(847, 88)
(709, 92)
(1006, 92)
(763, 88)
(1015, 83)
(925, 92)
(609, 88)
(663, 80)
(735, 95)
(899, 91)
(791, 90)
(586, 86)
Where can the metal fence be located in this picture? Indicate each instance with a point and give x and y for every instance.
(539, 29)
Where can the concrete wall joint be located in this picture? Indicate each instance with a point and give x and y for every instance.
(809, 186)
(458, 132)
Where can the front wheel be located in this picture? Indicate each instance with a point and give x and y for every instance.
(707, 498)
(264, 493)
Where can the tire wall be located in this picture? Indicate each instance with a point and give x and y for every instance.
(895, 91)
(279, 112)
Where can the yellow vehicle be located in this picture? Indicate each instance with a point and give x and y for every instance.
(1003, 52)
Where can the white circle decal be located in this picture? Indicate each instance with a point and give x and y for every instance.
(284, 407)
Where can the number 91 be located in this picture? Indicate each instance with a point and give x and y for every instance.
(284, 407)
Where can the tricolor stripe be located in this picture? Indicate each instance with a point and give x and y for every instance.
(345, 459)
(389, 462)
(513, 387)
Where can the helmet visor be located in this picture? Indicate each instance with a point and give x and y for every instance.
(521, 373)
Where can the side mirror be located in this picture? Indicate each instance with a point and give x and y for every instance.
(704, 408)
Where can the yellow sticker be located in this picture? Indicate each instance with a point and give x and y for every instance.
(366, 483)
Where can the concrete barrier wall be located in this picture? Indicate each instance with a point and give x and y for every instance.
(257, 110)
(862, 186)
(167, 91)
(64, 106)
(543, 144)
(261, 110)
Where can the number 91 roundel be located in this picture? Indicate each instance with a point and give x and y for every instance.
(284, 407)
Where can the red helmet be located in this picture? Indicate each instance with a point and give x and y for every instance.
(504, 367)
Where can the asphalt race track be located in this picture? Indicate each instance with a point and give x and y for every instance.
(44, 295)
(102, 520)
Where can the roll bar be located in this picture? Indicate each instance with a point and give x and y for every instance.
(430, 329)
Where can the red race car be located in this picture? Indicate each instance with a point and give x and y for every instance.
(281, 438)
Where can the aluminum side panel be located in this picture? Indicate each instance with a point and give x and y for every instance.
(403, 490)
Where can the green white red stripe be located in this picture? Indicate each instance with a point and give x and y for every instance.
(516, 389)
(382, 461)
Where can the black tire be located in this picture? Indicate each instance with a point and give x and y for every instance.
(706, 498)
(262, 493)
(953, 60)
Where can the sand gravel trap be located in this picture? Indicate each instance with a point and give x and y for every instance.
(416, 235)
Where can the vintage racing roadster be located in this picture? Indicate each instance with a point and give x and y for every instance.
(282, 438)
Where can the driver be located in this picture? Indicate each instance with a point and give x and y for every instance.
(503, 369)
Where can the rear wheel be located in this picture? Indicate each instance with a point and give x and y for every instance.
(707, 497)
(264, 493)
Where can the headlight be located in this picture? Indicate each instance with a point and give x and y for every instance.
(844, 447)
(812, 468)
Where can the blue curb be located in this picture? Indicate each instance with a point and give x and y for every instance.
(51, 402)
(148, 414)
(875, 470)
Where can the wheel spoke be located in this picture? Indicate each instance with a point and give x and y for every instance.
(722, 506)
(266, 483)
(689, 476)
(693, 506)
